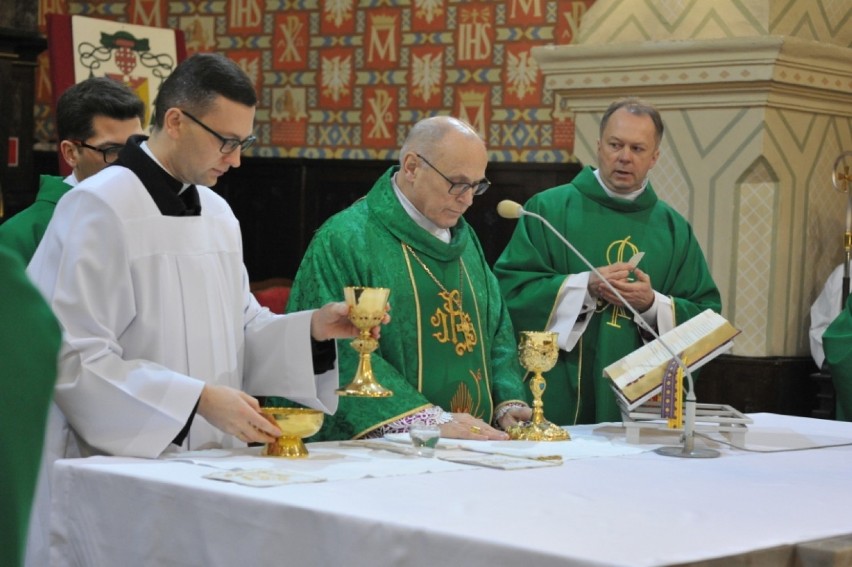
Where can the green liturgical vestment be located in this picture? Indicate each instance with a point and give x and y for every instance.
(450, 341)
(23, 232)
(533, 268)
(837, 342)
(29, 345)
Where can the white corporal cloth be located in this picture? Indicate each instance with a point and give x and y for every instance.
(631, 509)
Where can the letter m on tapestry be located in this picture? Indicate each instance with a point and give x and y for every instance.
(139, 56)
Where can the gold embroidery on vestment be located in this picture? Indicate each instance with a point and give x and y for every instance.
(462, 401)
(623, 250)
(453, 324)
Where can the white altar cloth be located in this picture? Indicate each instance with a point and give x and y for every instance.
(633, 509)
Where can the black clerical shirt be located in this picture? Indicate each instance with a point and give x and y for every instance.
(163, 188)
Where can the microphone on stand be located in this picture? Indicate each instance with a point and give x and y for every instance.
(512, 210)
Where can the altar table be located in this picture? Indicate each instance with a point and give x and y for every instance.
(639, 509)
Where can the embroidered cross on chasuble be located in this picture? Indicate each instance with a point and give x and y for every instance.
(449, 325)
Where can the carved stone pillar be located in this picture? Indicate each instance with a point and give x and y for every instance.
(756, 96)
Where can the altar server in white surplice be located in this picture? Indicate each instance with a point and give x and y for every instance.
(142, 265)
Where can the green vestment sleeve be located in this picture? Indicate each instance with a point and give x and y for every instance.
(29, 344)
(423, 356)
(837, 342)
(23, 232)
(535, 265)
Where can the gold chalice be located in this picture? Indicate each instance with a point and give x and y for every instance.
(294, 423)
(538, 352)
(367, 309)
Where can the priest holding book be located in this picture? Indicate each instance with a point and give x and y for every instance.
(610, 214)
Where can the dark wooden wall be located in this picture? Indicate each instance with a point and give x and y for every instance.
(281, 202)
(20, 45)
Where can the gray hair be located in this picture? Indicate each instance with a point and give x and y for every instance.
(637, 107)
(428, 133)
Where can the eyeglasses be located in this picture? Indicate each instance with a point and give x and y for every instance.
(229, 145)
(109, 153)
(459, 188)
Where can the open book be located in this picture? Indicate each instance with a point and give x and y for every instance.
(639, 376)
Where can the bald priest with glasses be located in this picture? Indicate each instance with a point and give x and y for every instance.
(449, 354)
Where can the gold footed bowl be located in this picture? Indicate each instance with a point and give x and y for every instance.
(295, 424)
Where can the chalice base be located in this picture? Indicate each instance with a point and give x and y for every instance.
(364, 385)
(364, 390)
(288, 447)
(541, 431)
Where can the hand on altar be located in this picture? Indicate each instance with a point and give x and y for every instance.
(331, 321)
(465, 426)
(236, 413)
(514, 416)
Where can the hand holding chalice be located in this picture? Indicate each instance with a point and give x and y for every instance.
(367, 307)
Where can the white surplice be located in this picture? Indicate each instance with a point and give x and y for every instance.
(152, 308)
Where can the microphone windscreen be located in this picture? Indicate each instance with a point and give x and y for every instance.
(509, 209)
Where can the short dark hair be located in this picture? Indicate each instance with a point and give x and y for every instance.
(637, 107)
(80, 103)
(198, 81)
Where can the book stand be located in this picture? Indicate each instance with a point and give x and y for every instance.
(709, 418)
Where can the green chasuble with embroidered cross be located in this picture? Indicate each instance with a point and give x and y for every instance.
(450, 341)
(534, 266)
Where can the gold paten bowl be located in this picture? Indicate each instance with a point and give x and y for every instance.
(295, 424)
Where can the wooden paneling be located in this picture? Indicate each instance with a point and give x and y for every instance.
(760, 384)
(281, 202)
(19, 49)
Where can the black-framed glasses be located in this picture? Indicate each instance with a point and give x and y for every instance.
(109, 153)
(458, 187)
(229, 145)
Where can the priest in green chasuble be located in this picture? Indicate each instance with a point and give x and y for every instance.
(609, 214)
(449, 353)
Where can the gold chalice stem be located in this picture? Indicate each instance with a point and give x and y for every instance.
(537, 386)
(364, 345)
(364, 384)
